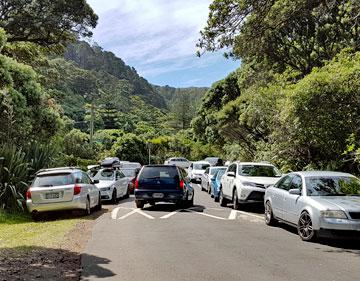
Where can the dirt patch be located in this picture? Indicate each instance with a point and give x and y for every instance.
(62, 262)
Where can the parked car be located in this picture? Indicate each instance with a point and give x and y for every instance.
(130, 165)
(131, 175)
(215, 184)
(61, 189)
(316, 203)
(163, 183)
(178, 161)
(208, 175)
(197, 169)
(214, 161)
(112, 184)
(245, 182)
(92, 170)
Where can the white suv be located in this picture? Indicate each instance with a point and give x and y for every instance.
(245, 182)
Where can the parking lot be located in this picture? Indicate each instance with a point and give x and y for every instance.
(208, 242)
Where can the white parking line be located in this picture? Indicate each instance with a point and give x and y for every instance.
(144, 214)
(114, 213)
(203, 214)
(233, 215)
(128, 214)
(170, 214)
(250, 214)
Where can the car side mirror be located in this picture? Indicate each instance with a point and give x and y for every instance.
(95, 181)
(231, 174)
(295, 191)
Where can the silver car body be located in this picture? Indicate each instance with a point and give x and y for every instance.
(61, 196)
(288, 207)
(208, 175)
(111, 182)
(178, 161)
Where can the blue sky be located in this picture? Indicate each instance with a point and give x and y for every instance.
(158, 38)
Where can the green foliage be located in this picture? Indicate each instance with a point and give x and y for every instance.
(46, 22)
(77, 144)
(132, 148)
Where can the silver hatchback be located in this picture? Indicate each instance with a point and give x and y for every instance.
(62, 189)
(317, 203)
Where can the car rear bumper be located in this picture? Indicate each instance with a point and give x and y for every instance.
(150, 195)
(76, 203)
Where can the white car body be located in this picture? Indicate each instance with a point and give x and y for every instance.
(178, 161)
(112, 184)
(239, 187)
(208, 175)
(197, 169)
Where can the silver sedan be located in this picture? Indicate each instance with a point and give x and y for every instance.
(317, 203)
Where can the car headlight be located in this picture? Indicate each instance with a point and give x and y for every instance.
(106, 188)
(333, 214)
(247, 183)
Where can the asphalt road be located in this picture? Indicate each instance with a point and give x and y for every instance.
(208, 243)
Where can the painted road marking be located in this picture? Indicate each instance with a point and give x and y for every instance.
(170, 214)
(233, 215)
(204, 214)
(114, 213)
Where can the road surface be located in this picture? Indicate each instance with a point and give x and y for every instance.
(208, 242)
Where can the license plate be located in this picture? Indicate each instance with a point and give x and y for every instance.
(52, 195)
(158, 195)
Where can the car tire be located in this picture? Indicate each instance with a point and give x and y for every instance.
(87, 210)
(139, 204)
(152, 203)
(35, 216)
(269, 216)
(99, 205)
(114, 196)
(222, 200)
(305, 228)
(236, 205)
(216, 199)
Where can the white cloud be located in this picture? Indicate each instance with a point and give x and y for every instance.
(155, 36)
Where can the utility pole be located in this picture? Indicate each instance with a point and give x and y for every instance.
(92, 120)
(149, 149)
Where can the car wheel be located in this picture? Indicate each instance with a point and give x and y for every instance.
(87, 210)
(139, 204)
(269, 217)
(152, 203)
(99, 205)
(216, 199)
(305, 228)
(235, 200)
(35, 216)
(202, 189)
(114, 197)
(222, 200)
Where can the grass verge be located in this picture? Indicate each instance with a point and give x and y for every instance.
(18, 231)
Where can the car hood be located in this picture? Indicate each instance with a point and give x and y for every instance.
(102, 184)
(338, 202)
(260, 180)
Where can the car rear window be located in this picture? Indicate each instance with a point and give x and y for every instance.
(201, 166)
(149, 173)
(129, 172)
(53, 180)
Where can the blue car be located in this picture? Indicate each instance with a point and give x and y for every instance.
(215, 184)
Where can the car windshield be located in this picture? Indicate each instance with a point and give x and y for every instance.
(332, 186)
(105, 175)
(129, 172)
(202, 166)
(53, 180)
(259, 171)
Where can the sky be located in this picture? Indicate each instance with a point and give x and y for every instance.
(158, 38)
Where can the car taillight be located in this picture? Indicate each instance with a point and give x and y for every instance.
(77, 189)
(28, 194)
(136, 184)
(182, 184)
(133, 181)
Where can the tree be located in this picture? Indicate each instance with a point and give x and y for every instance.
(295, 34)
(46, 22)
(131, 148)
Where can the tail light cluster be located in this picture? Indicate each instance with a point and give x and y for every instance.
(28, 194)
(182, 184)
(136, 185)
(77, 189)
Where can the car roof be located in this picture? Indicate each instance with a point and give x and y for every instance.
(59, 170)
(322, 174)
(218, 167)
(253, 163)
(201, 162)
(158, 165)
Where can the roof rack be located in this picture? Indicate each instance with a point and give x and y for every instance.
(58, 168)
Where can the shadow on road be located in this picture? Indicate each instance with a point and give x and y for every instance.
(39, 263)
(168, 207)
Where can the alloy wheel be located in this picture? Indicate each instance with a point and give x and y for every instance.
(305, 227)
